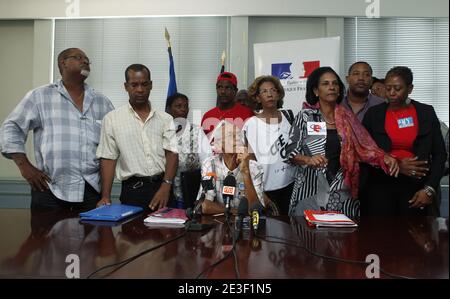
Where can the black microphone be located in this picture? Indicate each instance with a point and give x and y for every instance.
(194, 213)
(242, 212)
(207, 184)
(228, 191)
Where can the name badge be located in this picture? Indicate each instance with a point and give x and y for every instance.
(317, 128)
(405, 122)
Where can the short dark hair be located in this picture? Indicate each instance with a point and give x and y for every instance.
(360, 62)
(376, 80)
(313, 82)
(63, 54)
(401, 71)
(137, 67)
(173, 97)
(253, 90)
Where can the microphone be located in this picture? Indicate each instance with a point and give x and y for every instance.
(255, 219)
(258, 218)
(207, 184)
(194, 213)
(242, 212)
(255, 213)
(228, 190)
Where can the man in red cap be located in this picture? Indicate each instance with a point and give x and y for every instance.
(227, 108)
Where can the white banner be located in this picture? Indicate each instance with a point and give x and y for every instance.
(293, 61)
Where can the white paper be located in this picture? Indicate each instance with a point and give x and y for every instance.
(332, 217)
(153, 219)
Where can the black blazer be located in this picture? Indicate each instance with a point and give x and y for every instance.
(429, 143)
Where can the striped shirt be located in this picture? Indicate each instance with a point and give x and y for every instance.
(311, 189)
(138, 146)
(193, 149)
(65, 138)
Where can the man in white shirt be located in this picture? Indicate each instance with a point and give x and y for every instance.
(139, 143)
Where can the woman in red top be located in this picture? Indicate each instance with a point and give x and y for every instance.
(409, 131)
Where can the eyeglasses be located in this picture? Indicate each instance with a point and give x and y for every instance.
(266, 91)
(79, 58)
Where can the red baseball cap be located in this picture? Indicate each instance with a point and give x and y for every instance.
(227, 76)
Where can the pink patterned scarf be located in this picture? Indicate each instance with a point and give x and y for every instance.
(357, 146)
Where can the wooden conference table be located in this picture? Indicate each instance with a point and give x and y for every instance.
(37, 246)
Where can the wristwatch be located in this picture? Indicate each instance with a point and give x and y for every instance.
(170, 182)
(429, 191)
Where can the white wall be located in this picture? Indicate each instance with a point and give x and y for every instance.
(16, 77)
(32, 9)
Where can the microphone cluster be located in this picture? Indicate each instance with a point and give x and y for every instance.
(245, 219)
(194, 213)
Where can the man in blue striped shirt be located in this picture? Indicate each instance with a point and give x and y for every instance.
(65, 118)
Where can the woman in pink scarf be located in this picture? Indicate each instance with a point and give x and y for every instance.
(327, 144)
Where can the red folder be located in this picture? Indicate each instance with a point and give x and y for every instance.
(328, 219)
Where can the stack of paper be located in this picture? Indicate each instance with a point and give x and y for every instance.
(328, 219)
(167, 216)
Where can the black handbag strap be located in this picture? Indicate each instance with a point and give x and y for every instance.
(289, 115)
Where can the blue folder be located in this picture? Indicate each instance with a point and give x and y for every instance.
(114, 212)
(105, 223)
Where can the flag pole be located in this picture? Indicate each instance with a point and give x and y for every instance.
(172, 89)
(222, 69)
(167, 36)
(222, 60)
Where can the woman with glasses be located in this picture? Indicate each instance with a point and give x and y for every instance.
(266, 134)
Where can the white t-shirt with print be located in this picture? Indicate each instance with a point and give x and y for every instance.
(268, 142)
